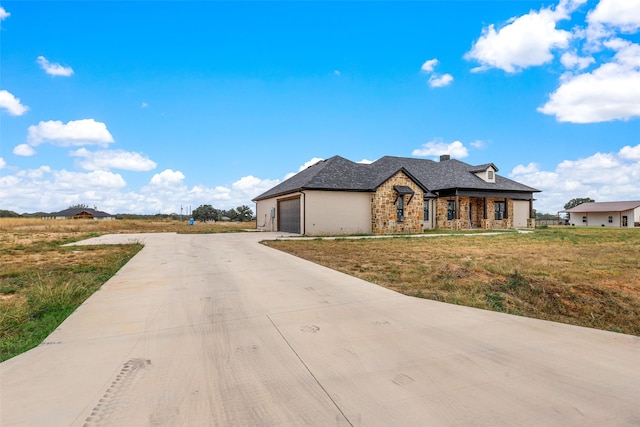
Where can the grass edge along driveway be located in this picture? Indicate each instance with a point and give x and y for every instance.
(581, 276)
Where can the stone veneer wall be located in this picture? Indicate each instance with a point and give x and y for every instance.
(477, 212)
(384, 215)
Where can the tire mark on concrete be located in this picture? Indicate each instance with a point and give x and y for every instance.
(112, 400)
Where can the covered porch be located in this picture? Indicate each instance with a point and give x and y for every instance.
(472, 210)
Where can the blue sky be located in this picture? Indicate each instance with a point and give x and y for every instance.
(144, 107)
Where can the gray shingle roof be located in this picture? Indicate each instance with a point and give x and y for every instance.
(340, 174)
(450, 174)
(605, 207)
(484, 167)
(75, 211)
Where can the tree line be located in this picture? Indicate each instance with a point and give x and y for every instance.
(206, 213)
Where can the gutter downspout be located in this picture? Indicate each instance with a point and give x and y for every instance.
(304, 213)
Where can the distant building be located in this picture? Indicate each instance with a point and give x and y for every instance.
(605, 214)
(80, 213)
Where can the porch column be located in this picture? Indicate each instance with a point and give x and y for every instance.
(531, 222)
(531, 215)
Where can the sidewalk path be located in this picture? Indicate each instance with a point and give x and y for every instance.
(205, 330)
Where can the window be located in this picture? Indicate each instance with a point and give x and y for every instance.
(426, 210)
(625, 221)
(451, 209)
(499, 210)
(584, 219)
(490, 175)
(610, 219)
(400, 207)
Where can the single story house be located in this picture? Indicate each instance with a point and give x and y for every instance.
(394, 195)
(605, 214)
(81, 213)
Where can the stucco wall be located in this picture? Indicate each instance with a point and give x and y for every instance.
(384, 214)
(598, 219)
(337, 212)
(263, 218)
(264, 221)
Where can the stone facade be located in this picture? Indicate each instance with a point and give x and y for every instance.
(384, 212)
(471, 213)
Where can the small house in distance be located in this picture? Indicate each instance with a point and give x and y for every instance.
(81, 213)
(394, 195)
(605, 214)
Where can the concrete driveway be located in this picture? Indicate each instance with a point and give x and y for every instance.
(201, 330)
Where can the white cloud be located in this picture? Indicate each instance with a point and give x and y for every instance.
(630, 153)
(304, 166)
(525, 41)
(44, 189)
(429, 65)
(3, 164)
(621, 14)
(524, 170)
(248, 182)
(435, 79)
(3, 14)
(610, 92)
(24, 150)
(602, 176)
(478, 144)
(91, 180)
(311, 162)
(167, 178)
(337, 73)
(54, 69)
(436, 148)
(365, 162)
(73, 133)
(440, 81)
(248, 187)
(113, 159)
(12, 104)
(144, 105)
(572, 61)
(35, 173)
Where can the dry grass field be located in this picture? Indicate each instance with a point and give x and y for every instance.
(42, 282)
(582, 276)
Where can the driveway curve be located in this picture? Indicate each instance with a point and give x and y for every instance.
(201, 330)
